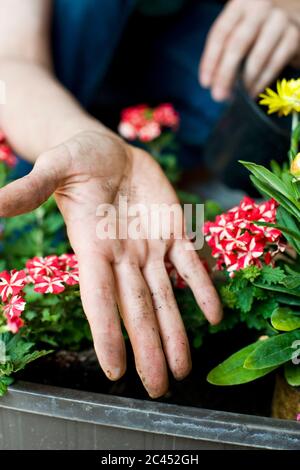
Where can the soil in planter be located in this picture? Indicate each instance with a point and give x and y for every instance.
(81, 371)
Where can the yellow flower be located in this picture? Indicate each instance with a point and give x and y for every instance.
(286, 100)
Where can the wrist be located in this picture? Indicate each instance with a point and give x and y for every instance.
(73, 126)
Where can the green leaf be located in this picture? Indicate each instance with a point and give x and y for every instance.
(268, 191)
(284, 319)
(292, 374)
(273, 181)
(232, 370)
(3, 388)
(245, 298)
(278, 288)
(29, 358)
(271, 275)
(265, 308)
(287, 300)
(290, 227)
(4, 383)
(273, 351)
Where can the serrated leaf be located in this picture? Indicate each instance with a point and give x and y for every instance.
(245, 299)
(265, 308)
(232, 371)
(271, 275)
(284, 319)
(29, 358)
(292, 374)
(273, 351)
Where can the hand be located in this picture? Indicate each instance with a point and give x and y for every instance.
(125, 275)
(255, 31)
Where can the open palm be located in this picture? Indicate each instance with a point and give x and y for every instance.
(119, 276)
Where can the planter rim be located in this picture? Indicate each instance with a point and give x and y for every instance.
(153, 417)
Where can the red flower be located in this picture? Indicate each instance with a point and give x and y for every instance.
(49, 285)
(149, 131)
(137, 115)
(165, 115)
(39, 266)
(237, 241)
(145, 123)
(14, 307)
(68, 261)
(6, 154)
(71, 278)
(14, 324)
(11, 283)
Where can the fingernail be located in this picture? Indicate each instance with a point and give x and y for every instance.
(114, 373)
(205, 80)
(219, 94)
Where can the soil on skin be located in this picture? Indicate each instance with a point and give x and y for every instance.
(81, 371)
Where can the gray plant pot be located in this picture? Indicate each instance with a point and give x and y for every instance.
(42, 417)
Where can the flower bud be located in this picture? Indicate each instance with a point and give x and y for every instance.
(295, 166)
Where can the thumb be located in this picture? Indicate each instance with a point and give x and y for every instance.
(27, 193)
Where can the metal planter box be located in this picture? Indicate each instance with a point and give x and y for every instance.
(44, 417)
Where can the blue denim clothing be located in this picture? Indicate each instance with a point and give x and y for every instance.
(88, 36)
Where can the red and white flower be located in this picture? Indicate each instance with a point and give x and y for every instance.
(14, 324)
(68, 261)
(127, 130)
(145, 123)
(149, 131)
(237, 241)
(11, 283)
(165, 115)
(49, 285)
(14, 307)
(71, 278)
(39, 266)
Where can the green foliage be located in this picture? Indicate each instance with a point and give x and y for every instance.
(165, 150)
(38, 233)
(292, 374)
(270, 275)
(249, 303)
(282, 189)
(273, 351)
(285, 319)
(193, 318)
(232, 370)
(290, 227)
(211, 210)
(16, 353)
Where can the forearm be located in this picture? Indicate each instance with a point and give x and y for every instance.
(38, 112)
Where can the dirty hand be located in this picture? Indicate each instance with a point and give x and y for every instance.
(116, 275)
(260, 33)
